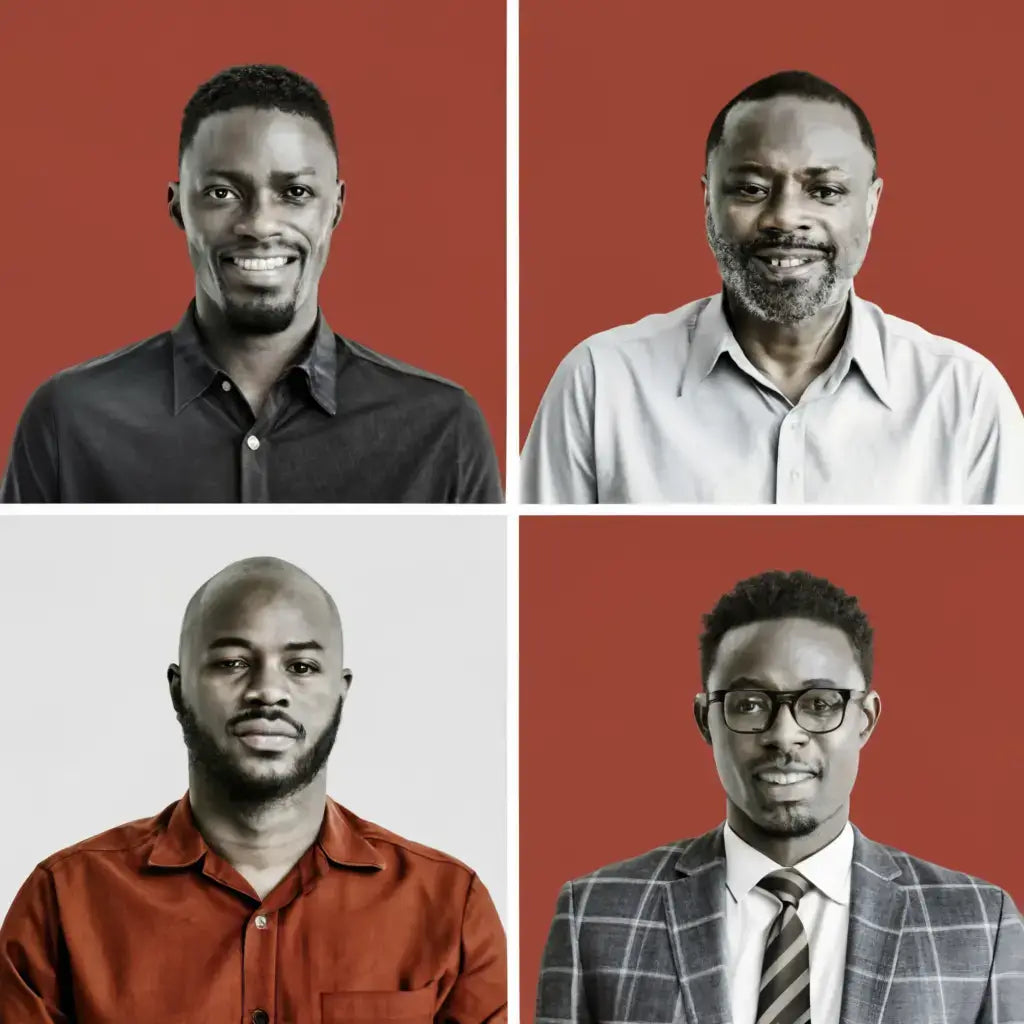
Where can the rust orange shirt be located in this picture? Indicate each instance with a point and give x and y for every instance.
(145, 924)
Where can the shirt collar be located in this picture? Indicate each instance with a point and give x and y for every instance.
(712, 337)
(195, 371)
(828, 870)
(341, 838)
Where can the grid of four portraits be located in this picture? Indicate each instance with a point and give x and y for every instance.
(605, 653)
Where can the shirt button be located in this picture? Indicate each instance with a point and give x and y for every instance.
(260, 922)
(225, 385)
(795, 475)
(253, 442)
(260, 1017)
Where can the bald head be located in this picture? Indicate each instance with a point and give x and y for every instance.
(253, 581)
(260, 642)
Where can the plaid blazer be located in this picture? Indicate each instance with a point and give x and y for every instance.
(644, 941)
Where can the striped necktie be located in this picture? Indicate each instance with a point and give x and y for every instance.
(785, 994)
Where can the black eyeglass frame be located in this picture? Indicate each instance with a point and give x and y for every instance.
(778, 698)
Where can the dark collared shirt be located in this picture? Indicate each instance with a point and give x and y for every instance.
(160, 422)
(146, 923)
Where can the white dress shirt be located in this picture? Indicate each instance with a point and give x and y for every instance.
(670, 409)
(824, 912)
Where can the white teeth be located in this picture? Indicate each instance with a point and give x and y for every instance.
(791, 262)
(272, 264)
(783, 778)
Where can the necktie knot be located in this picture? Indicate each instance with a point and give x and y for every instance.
(787, 886)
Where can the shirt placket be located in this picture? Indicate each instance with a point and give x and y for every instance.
(790, 463)
(259, 968)
(254, 458)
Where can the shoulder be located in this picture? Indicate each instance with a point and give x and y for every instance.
(124, 839)
(395, 376)
(655, 335)
(397, 850)
(932, 354)
(653, 865)
(137, 364)
(933, 882)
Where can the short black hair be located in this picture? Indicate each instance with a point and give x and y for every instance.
(793, 83)
(787, 595)
(264, 86)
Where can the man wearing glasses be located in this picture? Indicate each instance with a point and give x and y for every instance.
(786, 913)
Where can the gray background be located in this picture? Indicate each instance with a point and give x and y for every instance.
(90, 607)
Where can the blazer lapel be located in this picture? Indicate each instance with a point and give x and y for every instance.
(695, 911)
(877, 911)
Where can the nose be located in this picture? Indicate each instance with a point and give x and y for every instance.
(267, 685)
(784, 732)
(258, 218)
(785, 211)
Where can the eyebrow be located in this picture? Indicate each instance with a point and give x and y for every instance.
(237, 641)
(745, 683)
(217, 172)
(806, 172)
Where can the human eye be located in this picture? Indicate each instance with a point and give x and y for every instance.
(746, 190)
(303, 668)
(230, 664)
(821, 702)
(749, 703)
(828, 193)
(220, 193)
(297, 193)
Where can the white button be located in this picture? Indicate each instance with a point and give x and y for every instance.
(795, 474)
(253, 442)
(225, 385)
(260, 922)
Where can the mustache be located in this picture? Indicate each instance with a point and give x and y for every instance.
(785, 764)
(266, 715)
(784, 242)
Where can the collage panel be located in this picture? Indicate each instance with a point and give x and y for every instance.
(283, 251)
(699, 698)
(237, 782)
(699, 191)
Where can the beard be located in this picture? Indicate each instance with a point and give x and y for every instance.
(787, 821)
(259, 316)
(242, 786)
(777, 302)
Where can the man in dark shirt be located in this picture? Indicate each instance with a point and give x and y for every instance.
(255, 897)
(252, 397)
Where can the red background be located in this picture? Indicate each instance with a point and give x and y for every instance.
(611, 763)
(616, 99)
(95, 91)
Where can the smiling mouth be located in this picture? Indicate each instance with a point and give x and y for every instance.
(260, 264)
(789, 261)
(781, 778)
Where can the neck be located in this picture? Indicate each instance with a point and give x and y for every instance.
(258, 837)
(787, 850)
(254, 362)
(790, 355)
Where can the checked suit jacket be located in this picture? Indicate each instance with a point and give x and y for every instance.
(644, 941)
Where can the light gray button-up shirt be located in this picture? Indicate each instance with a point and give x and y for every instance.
(669, 409)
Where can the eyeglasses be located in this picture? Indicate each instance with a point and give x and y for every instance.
(816, 710)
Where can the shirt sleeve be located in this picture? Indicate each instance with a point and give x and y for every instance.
(34, 969)
(558, 463)
(1004, 997)
(32, 472)
(478, 479)
(560, 995)
(995, 459)
(480, 992)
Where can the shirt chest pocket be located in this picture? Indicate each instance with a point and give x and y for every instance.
(371, 1007)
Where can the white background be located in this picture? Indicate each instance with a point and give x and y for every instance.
(90, 608)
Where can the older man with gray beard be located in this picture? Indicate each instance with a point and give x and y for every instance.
(785, 388)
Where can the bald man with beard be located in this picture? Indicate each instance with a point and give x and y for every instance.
(255, 897)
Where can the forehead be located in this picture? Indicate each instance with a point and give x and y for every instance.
(785, 654)
(267, 613)
(790, 133)
(259, 142)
